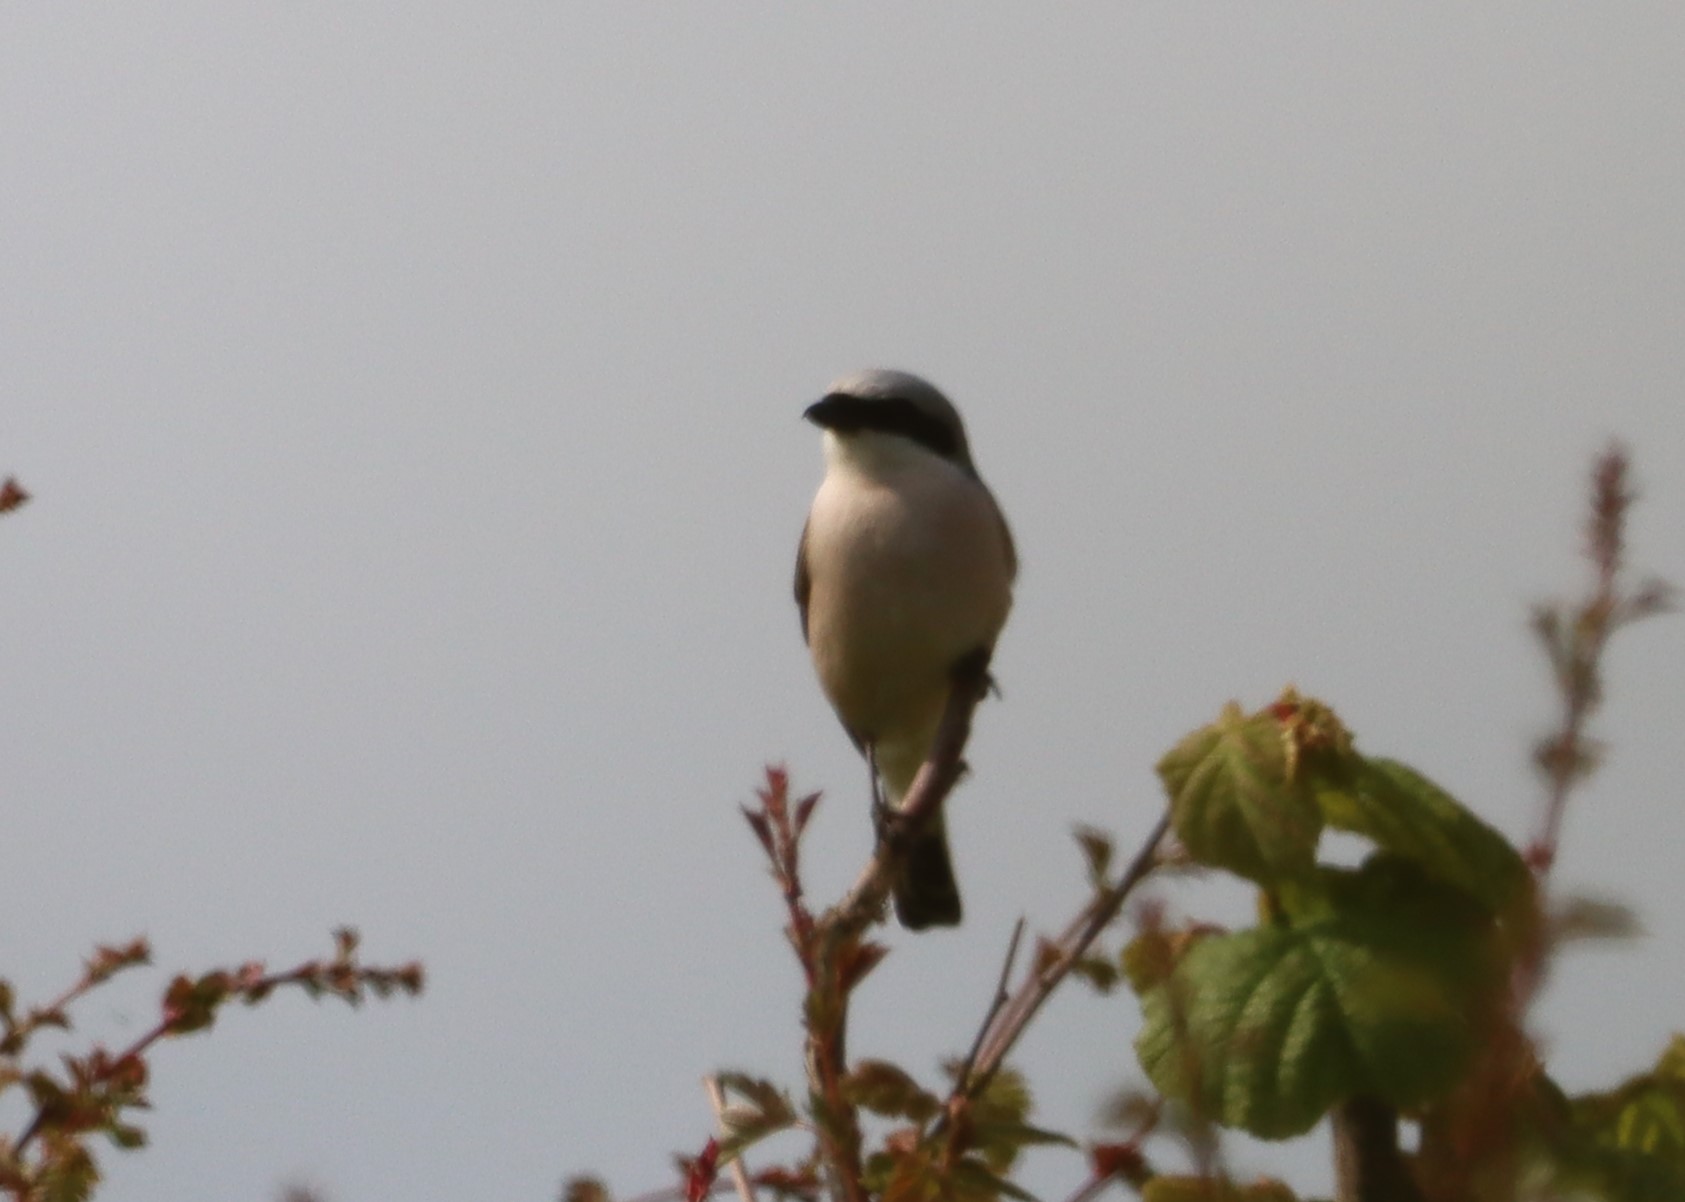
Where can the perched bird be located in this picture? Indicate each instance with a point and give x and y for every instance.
(905, 568)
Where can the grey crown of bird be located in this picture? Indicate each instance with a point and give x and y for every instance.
(905, 568)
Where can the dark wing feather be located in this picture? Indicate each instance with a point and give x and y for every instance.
(804, 581)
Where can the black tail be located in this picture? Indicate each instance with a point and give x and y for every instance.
(927, 895)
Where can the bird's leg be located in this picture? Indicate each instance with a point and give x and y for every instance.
(881, 816)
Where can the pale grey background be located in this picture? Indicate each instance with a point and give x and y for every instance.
(411, 395)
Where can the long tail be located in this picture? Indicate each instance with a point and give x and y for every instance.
(927, 895)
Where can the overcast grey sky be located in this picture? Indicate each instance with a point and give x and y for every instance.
(410, 394)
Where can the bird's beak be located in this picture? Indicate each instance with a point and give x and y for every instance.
(827, 411)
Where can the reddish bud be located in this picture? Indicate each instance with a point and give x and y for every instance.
(1116, 1160)
(699, 1180)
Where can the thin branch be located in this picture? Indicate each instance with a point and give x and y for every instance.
(1092, 1188)
(995, 1004)
(191, 1005)
(1073, 942)
(1575, 638)
(739, 1172)
(832, 962)
(1368, 1167)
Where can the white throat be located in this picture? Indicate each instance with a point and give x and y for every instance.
(879, 455)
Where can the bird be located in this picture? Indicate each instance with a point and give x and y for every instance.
(905, 569)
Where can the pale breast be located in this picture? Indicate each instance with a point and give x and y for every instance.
(909, 573)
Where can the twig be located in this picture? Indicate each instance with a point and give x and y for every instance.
(1368, 1167)
(1575, 639)
(739, 1173)
(1012, 1018)
(191, 1005)
(999, 1000)
(1092, 1188)
(832, 961)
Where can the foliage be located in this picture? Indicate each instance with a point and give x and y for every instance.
(1398, 987)
(97, 1092)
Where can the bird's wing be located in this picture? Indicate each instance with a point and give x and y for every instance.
(804, 581)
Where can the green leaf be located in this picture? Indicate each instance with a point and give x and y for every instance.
(69, 1174)
(1097, 852)
(886, 1089)
(1234, 802)
(1006, 1096)
(1645, 1113)
(1593, 918)
(765, 1112)
(1671, 1065)
(1099, 971)
(1000, 1142)
(973, 1181)
(126, 1135)
(1628, 1144)
(763, 1095)
(585, 1189)
(1374, 985)
(1403, 811)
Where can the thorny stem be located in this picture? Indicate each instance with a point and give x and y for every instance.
(820, 951)
(340, 976)
(1575, 640)
(739, 1171)
(1574, 637)
(995, 1005)
(1012, 1018)
(107, 963)
(1368, 1166)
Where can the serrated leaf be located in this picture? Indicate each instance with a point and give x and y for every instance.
(70, 1175)
(1671, 1064)
(1404, 812)
(1616, 1175)
(126, 1136)
(1000, 1142)
(1645, 1113)
(1593, 918)
(745, 1126)
(1007, 1095)
(1147, 959)
(972, 1179)
(1232, 802)
(585, 1189)
(1099, 971)
(1096, 848)
(886, 1089)
(1627, 1144)
(762, 1095)
(1130, 1109)
(1375, 987)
